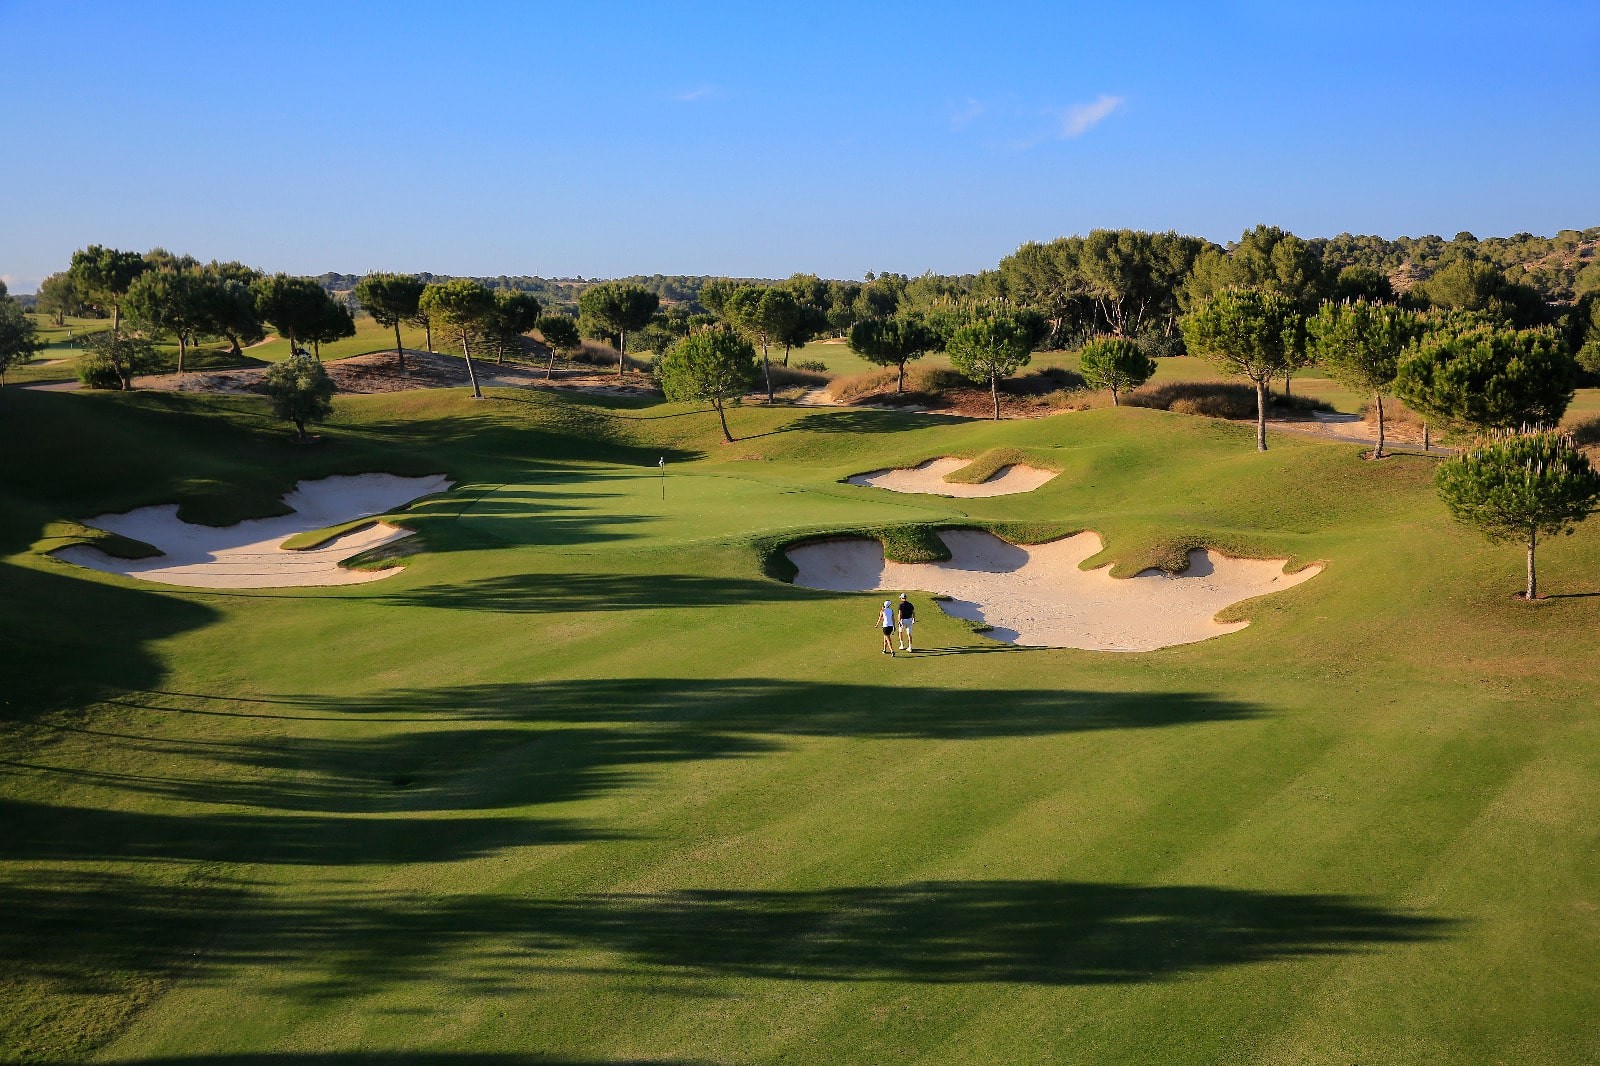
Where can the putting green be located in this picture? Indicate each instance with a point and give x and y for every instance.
(620, 508)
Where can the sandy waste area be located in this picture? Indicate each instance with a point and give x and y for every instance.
(1038, 595)
(929, 477)
(249, 555)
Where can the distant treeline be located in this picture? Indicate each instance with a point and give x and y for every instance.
(1125, 282)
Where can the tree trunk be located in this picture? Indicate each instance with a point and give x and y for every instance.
(550, 371)
(427, 329)
(900, 383)
(1115, 402)
(785, 353)
(723, 415)
(1424, 436)
(116, 320)
(183, 350)
(766, 367)
(472, 375)
(300, 428)
(994, 394)
(1261, 415)
(234, 348)
(316, 349)
(399, 349)
(622, 350)
(1287, 374)
(1378, 454)
(1533, 575)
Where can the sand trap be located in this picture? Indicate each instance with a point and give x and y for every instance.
(1038, 596)
(247, 555)
(929, 477)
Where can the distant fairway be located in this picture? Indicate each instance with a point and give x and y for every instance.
(586, 781)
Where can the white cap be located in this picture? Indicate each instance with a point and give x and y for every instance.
(886, 603)
(902, 595)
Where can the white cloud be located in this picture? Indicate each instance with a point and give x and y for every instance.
(963, 116)
(696, 95)
(1081, 118)
(18, 285)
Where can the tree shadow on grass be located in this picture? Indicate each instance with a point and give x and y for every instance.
(498, 747)
(562, 593)
(800, 708)
(863, 421)
(73, 640)
(44, 831)
(394, 775)
(394, 1058)
(1041, 932)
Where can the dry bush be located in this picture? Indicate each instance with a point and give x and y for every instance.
(856, 386)
(1585, 434)
(1214, 399)
(784, 377)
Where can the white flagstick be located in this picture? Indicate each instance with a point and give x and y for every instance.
(663, 464)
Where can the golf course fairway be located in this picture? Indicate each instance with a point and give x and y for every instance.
(588, 781)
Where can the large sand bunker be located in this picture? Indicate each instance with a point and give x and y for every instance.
(248, 555)
(1039, 596)
(929, 477)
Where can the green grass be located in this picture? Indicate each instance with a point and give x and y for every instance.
(58, 361)
(585, 782)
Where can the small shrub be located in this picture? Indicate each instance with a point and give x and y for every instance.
(815, 366)
(96, 371)
(1158, 344)
(1297, 402)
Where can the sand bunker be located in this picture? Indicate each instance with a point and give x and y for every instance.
(1039, 596)
(248, 555)
(929, 477)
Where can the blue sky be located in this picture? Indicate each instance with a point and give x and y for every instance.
(601, 139)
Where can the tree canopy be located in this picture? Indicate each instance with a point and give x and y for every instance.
(167, 301)
(103, 276)
(514, 314)
(894, 342)
(1517, 487)
(1360, 345)
(18, 335)
(712, 365)
(295, 307)
(1489, 378)
(464, 307)
(990, 349)
(618, 307)
(1249, 333)
(1115, 363)
(764, 314)
(300, 391)
(390, 299)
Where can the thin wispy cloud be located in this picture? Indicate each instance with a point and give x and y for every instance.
(696, 95)
(1081, 118)
(964, 115)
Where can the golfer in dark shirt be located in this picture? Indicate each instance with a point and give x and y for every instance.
(908, 618)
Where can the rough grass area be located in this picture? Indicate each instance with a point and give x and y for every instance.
(1216, 399)
(64, 534)
(584, 784)
(1046, 390)
(989, 463)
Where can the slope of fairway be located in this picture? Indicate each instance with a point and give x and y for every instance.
(584, 783)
